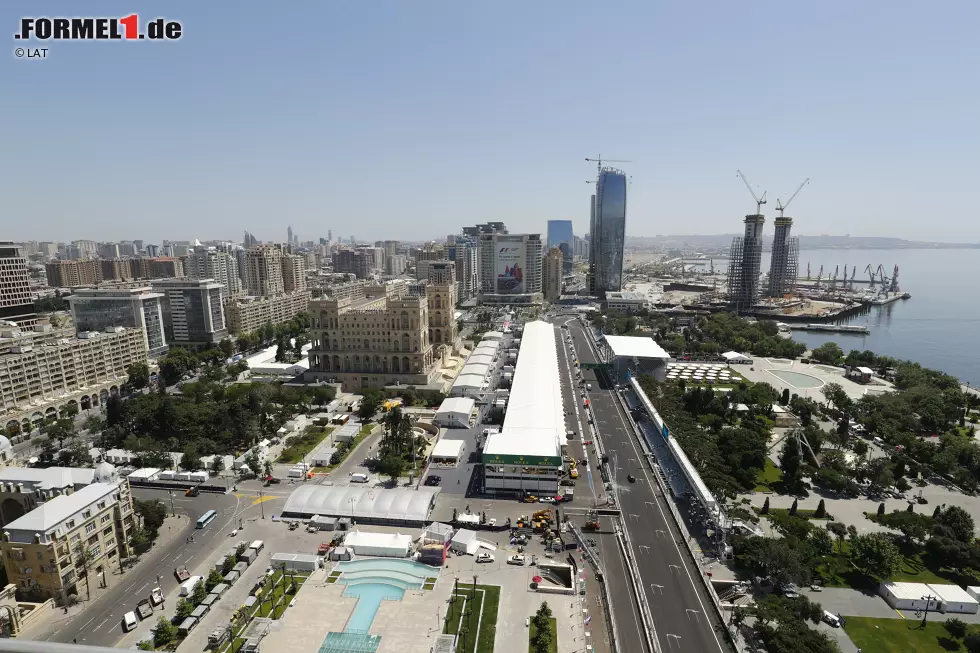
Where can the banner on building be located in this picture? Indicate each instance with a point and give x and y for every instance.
(510, 261)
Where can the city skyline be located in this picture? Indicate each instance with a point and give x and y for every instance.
(260, 142)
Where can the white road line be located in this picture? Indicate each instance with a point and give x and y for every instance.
(102, 623)
(87, 623)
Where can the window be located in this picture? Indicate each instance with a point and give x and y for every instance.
(89, 527)
(96, 551)
(107, 530)
(70, 524)
(101, 505)
(93, 539)
(76, 538)
(106, 518)
(87, 514)
(110, 542)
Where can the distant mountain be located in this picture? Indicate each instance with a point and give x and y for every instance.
(706, 241)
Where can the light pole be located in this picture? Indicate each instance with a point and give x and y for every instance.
(173, 508)
(261, 504)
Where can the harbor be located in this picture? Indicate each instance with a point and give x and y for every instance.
(829, 328)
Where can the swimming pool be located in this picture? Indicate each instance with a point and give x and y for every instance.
(369, 598)
(797, 379)
(373, 580)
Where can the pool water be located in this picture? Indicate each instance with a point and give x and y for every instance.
(373, 580)
(370, 596)
(797, 379)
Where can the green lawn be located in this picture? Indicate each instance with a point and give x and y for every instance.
(837, 571)
(767, 477)
(488, 601)
(300, 445)
(554, 640)
(901, 635)
(366, 429)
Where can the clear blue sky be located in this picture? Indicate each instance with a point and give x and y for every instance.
(409, 119)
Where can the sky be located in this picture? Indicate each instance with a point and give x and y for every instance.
(408, 120)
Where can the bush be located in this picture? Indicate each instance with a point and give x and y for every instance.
(821, 510)
(793, 508)
(955, 627)
(765, 507)
(972, 642)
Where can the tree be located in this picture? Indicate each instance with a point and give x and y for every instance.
(75, 455)
(784, 398)
(113, 410)
(227, 347)
(214, 579)
(282, 350)
(139, 375)
(151, 513)
(881, 509)
(61, 430)
(184, 608)
(139, 540)
(765, 507)
(793, 508)
(392, 466)
(267, 468)
(821, 541)
(829, 352)
(972, 642)
(164, 632)
(956, 523)
(94, 424)
(789, 462)
(912, 525)
(218, 464)
(839, 531)
(955, 627)
(200, 593)
(228, 565)
(821, 510)
(370, 404)
(144, 645)
(876, 554)
(191, 461)
(833, 393)
(82, 557)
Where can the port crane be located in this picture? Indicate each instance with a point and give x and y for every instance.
(782, 207)
(759, 201)
(871, 275)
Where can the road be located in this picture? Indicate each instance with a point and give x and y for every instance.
(99, 623)
(683, 616)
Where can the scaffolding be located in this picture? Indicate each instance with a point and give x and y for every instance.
(785, 260)
(744, 265)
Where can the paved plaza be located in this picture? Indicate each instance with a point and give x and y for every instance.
(807, 379)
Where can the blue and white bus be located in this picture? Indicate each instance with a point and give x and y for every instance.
(206, 518)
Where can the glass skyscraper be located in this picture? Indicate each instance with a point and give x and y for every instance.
(561, 235)
(608, 232)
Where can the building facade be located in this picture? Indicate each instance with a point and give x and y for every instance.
(745, 265)
(96, 309)
(608, 231)
(510, 268)
(194, 316)
(218, 265)
(440, 293)
(382, 339)
(41, 550)
(73, 273)
(45, 372)
(785, 259)
(16, 299)
(293, 273)
(263, 271)
(361, 262)
(467, 258)
(249, 314)
(552, 274)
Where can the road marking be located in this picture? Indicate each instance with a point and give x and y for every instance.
(660, 588)
(676, 569)
(900, 614)
(102, 623)
(671, 639)
(93, 619)
(691, 611)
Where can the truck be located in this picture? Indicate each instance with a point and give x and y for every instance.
(323, 549)
(187, 587)
(156, 596)
(249, 556)
(192, 492)
(144, 609)
(181, 573)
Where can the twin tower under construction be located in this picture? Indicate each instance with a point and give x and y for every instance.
(745, 257)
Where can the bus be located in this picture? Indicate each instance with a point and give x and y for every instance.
(206, 518)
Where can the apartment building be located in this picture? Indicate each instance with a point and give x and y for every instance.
(96, 309)
(194, 316)
(73, 273)
(218, 265)
(16, 299)
(293, 273)
(551, 274)
(263, 271)
(41, 550)
(247, 314)
(22, 489)
(45, 371)
(510, 268)
(378, 340)
(362, 262)
(116, 269)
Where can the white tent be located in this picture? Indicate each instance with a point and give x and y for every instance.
(389, 545)
(465, 541)
(437, 532)
(731, 356)
(454, 412)
(467, 384)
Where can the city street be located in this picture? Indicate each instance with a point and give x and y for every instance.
(683, 615)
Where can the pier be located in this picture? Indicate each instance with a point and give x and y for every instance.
(831, 328)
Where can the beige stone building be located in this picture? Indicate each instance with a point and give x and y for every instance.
(46, 371)
(247, 314)
(293, 273)
(441, 293)
(551, 274)
(41, 550)
(379, 340)
(263, 271)
(71, 274)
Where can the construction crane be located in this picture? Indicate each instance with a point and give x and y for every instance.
(782, 207)
(759, 201)
(598, 161)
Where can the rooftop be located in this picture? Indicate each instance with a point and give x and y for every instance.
(52, 513)
(48, 479)
(638, 347)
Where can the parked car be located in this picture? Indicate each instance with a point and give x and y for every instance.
(484, 557)
(433, 480)
(129, 621)
(517, 559)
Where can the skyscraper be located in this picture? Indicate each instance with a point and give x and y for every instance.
(608, 231)
(263, 271)
(16, 303)
(510, 264)
(785, 258)
(289, 235)
(551, 274)
(744, 264)
(562, 236)
(192, 311)
(217, 265)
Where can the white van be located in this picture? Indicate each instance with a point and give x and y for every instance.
(359, 478)
(257, 545)
(129, 621)
(831, 619)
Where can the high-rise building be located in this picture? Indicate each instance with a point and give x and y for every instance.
(551, 274)
(249, 240)
(153, 251)
(84, 249)
(116, 269)
(293, 273)
(378, 340)
(440, 291)
(560, 231)
(74, 273)
(16, 301)
(48, 371)
(745, 263)
(263, 271)
(510, 267)
(608, 230)
(487, 228)
(467, 258)
(362, 262)
(396, 264)
(97, 309)
(215, 264)
(785, 259)
(193, 312)
(289, 235)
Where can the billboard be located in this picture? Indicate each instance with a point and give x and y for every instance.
(510, 261)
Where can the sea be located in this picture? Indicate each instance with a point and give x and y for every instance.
(938, 327)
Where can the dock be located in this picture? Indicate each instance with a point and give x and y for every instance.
(881, 301)
(831, 328)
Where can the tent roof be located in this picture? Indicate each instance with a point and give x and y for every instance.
(462, 405)
(447, 449)
(397, 504)
(635, 346)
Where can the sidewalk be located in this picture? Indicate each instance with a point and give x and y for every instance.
(171, 528)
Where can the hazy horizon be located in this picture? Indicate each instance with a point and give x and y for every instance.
(406, 121)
